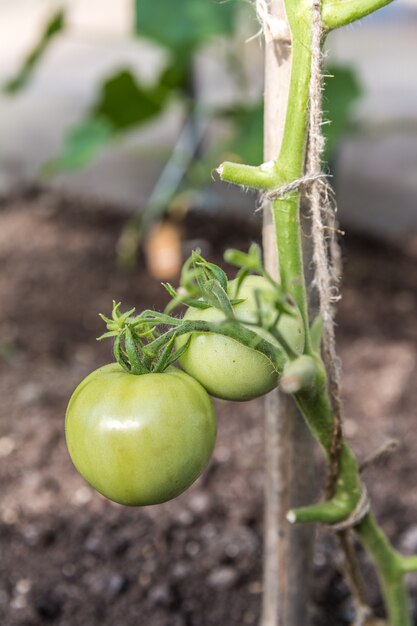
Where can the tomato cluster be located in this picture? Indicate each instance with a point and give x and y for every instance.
(143, 439)
(226, 368)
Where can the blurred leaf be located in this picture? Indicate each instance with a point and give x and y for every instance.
(247, 143)
(124, 103)
(341, 91)
(55, 25)
(82, 145)
(340, 94)
(174, 77)
(184, 25)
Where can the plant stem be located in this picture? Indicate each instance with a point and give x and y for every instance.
(315, 408)
(336, 13)
(290, 164)
(314, 404)
(389, 566)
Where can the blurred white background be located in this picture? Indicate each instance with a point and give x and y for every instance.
(376, 168)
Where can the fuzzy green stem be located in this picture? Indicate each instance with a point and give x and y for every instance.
(390, 568)
(336, 13)
(231, 329)
(290, 163)
(259, 177)
(315, 407)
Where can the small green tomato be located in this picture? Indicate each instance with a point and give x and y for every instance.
(226, 368)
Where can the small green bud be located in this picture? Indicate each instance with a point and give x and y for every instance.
(298, 374)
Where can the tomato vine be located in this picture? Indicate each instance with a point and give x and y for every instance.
(147, 345)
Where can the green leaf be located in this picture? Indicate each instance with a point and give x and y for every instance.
(124, 103)
(341, 92)
(55, 24)
(174, 77)
(247, 142)
(82, 145)
(184, 25)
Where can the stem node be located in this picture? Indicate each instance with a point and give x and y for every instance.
(262, 177)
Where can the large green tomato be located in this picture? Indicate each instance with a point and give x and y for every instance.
(226, 368)
(140, 440)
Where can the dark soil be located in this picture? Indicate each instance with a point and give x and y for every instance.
(68, 556)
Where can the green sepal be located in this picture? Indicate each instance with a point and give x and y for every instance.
(240, 277)
(217, 297)
(250, 261)
(171, 290)
(218, 274)
(178, 353)
(132, 353)
(198, 304)
(179, 299)
(118, 320)
(111, 333)
(258, 302)
(105, 319)
(164, 358)
(154, 318)
(205, 271)
(188, 276)
(119, 356)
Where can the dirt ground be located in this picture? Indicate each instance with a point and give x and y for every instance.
(71, 558)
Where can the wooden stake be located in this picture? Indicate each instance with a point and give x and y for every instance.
(288, 444)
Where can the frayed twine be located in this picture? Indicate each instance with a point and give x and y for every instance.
(357, 515)
(273, 28)
(295, 185)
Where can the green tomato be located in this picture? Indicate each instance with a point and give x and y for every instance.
(225, 367)
(140, 440)
(290, 326)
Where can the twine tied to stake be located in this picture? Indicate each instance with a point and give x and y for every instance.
(322, 210)
(273, 28)
(295, 185)
(325, 249)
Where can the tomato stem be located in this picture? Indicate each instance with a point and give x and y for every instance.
(313, 399)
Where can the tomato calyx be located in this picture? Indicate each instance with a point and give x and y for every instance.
(204, 285)
(146, 342)
(140, 347)
(137, 341)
